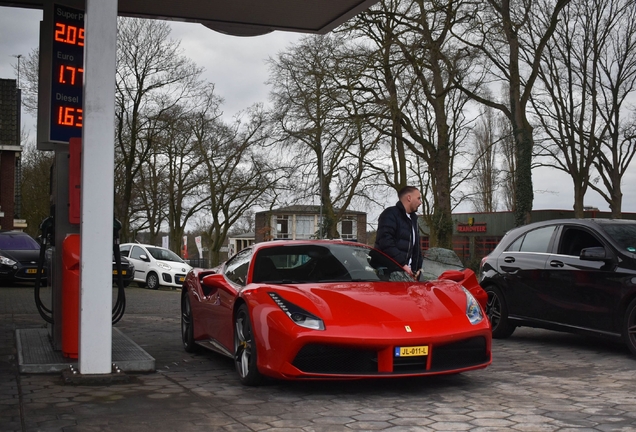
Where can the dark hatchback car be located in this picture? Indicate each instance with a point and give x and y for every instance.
(127, 271)
(573, 275)
(19, 254)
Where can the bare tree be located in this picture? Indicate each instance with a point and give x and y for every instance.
(566, 102)
(150, 199)
(616, 85)
(185, 176)
(412, 83)
(152, 77)
(504, 31)
(316, 121)
(509, 163)
(35, 185)
(238, 173)
(485, 180)
(381, 94)
(29, 77)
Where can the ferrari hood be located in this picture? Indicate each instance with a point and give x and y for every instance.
(383, 302)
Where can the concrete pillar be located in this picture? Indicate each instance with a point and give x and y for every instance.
(95, 333)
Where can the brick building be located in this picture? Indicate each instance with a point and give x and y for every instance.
(10, 151)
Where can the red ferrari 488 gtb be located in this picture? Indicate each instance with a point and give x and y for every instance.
(332, 310)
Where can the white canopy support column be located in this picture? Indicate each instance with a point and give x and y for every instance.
(95, 325)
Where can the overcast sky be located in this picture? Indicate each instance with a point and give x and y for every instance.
(236, 65)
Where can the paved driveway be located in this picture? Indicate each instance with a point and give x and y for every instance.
(539, 381)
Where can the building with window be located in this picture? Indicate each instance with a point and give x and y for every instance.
(302, 222)
(238, 242)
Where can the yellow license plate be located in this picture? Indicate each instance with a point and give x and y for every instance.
(411, 351)
(123, 272)
(31, 271)
(181, 278)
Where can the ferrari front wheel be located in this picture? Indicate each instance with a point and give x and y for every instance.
(497, 312)
(187, 324)
(245, 348)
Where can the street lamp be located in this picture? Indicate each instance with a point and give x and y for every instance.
(18, 56)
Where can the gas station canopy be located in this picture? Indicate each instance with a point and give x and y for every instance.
(235, 17)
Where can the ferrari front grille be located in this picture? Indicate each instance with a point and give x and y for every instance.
(465, 353)
(327, 359)
(338, 360)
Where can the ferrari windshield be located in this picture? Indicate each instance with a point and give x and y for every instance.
(324, 262)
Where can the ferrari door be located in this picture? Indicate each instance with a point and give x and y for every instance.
(220, 302)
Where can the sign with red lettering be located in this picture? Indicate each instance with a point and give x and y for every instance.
(474, 228)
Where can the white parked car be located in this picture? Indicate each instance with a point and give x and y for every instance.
(155, 266)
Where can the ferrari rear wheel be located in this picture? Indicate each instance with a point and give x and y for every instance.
(629, 327)
(187, 325)
(497, 312)
(245, 349)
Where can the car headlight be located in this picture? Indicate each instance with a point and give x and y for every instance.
(6, 261)
(473, 310)
(297, 314)
(164, 266)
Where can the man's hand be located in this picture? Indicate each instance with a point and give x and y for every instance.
(417, 275)
(407, 268)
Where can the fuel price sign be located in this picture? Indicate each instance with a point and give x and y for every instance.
(67, 74)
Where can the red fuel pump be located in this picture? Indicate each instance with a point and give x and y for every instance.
(70, 295)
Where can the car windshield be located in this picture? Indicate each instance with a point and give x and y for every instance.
(164, 254)
(325, 263)
(622, 233)
(15, 242)
(439, 260)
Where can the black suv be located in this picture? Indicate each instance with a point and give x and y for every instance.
(573, 275)
(19, 255)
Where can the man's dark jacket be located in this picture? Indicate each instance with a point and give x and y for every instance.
(395, 236)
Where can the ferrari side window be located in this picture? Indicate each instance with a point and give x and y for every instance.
(236, 268)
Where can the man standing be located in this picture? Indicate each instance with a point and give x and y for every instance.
(398, 234)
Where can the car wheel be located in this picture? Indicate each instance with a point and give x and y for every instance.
(245, 349)
(152, 281)
(187, 324)
(497, 312)
(629, 327)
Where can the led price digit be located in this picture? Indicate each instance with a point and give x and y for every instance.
(72, 71)
(69, 34)
(68, 116)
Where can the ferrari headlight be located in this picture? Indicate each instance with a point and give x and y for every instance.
(164, 266)
(6, 261)
(298, 314)
(473, 310)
